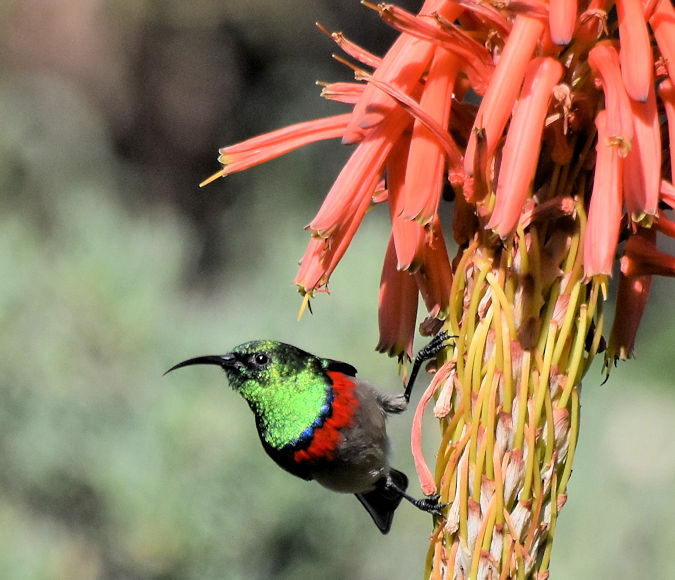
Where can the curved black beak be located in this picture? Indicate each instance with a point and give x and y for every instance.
(221, 360)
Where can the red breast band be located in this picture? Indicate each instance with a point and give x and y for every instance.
(327, 437)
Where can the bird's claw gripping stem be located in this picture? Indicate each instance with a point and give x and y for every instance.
(430, 505)
(436, 345)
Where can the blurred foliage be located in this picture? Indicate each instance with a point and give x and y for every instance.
(115, 266)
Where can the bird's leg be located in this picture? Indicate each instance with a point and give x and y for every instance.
(426, 504)
(436, 345)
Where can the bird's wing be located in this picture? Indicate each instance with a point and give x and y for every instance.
(341, 367)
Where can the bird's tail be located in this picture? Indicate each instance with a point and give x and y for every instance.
(381, 503)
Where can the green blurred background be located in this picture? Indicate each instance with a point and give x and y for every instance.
(115, 266)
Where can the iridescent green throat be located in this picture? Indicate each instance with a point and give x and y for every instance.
(288, 405)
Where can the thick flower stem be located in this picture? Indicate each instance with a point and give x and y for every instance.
(509, 406)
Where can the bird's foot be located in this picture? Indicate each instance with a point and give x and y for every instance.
(430, 505)
(436, 345)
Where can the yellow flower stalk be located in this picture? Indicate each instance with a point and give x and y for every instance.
(527, 328)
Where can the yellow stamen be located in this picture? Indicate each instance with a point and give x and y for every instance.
(351, 65)
(372, 6)
(303, 306)
(323, 29)
(212, 178)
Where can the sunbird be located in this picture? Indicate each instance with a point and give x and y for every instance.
(320, 422)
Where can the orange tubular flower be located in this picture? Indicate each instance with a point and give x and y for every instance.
(569, 151)
(665, 225)
(604, 214)
(562, 18)
(663, 25)
(642, 258)
(373, 106)
(522, 144)
(667, 193)
(323, 255)
(403, 65)
(426, 160)
(398, 307)
(348, 93)
(667, 94)
(604, 60)
(427, 482)
(505, 83)
(637, 64)
(434, 278)
(455, 172)
(270, 145)
(352, 190)
(408, 236)
(313, 266)
(631, 297)
(642, 168)
(475, 58)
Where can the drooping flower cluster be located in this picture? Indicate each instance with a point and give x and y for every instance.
(551, 126)
(542, 69)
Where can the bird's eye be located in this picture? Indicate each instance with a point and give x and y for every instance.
(261, 359)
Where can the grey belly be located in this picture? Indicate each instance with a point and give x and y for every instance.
(357, 465)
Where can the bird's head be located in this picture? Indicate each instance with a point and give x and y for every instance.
(259, 363)
(287, 388)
